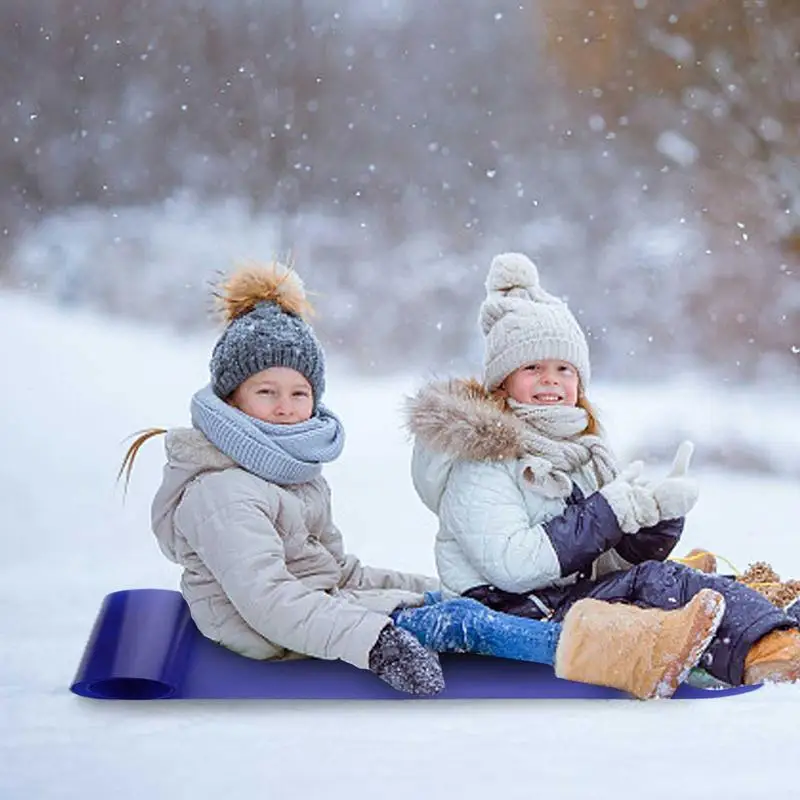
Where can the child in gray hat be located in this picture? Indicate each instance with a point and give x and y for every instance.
(244, 510)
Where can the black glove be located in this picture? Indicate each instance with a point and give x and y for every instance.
(400, 660)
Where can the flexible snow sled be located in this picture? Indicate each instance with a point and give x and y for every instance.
(145, 646)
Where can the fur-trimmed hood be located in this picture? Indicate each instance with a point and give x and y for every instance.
(457, 420)
(461, 419)
(190, 450)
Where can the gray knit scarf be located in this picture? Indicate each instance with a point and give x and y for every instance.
(557, 446)
(282, 454)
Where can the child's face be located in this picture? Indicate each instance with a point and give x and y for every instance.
(279, 395)
(544, 383)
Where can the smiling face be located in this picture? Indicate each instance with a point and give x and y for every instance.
(548, 382)
(279, 395)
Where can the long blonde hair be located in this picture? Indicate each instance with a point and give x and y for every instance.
(130, 456)
(593, 427)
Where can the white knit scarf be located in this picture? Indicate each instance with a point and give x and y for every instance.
(556, 446)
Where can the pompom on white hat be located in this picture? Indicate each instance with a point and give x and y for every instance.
(522, 323)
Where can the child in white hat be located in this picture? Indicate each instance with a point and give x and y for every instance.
(535, 515)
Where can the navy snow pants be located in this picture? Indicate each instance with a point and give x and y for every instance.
(667, 585)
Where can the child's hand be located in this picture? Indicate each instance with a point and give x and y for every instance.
(632, 502)
(632, 473)
(677, 494)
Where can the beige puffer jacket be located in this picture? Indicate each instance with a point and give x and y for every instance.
(264, 569)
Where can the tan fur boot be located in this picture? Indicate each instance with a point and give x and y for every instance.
(647, 652)
(774, 658)
(701, 560)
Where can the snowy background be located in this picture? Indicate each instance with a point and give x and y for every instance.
(76, 385)
(644, 153)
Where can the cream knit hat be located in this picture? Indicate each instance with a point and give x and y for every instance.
(522, 323)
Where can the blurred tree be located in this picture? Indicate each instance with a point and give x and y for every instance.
(644, 153)
(708, 94)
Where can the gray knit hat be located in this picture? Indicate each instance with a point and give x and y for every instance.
(522, 323)
(264, 307)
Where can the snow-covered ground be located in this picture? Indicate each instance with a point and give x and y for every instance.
(75, 386)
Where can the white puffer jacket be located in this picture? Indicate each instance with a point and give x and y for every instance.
(264, 567)
(467, 469)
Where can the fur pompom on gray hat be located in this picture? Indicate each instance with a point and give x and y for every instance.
(264, 308)
(522, 323)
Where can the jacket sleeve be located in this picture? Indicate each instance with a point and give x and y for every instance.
(241, 547)
(651, 544)
(584, 532)
(356, 575)
(518, 547)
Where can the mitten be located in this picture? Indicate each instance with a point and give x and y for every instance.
(632, 502)
(677, 494)
(400, 660)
